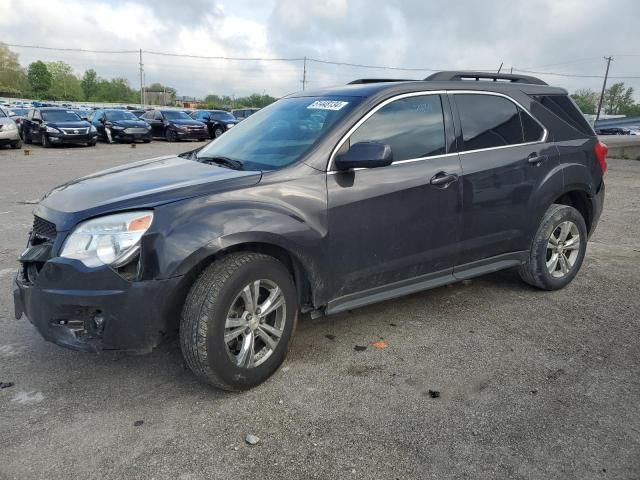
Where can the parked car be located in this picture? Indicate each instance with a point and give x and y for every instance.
(242, 113)
(84, 114)
(175, 125)
(613, 131)
(405, 186)
(18, 115)
(217, 121)
(57, 126)
(122, 126)
(9, 133)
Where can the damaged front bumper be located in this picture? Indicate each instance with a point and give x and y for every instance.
(94, 309)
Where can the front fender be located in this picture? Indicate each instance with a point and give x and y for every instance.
(290, 215)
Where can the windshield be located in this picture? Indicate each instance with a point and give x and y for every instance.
(223, 116)
(115, 115)
(60, 116)
(280, 134)
(176, 115)
(2, 114)
(20, 111)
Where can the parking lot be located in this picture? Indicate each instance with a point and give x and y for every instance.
(484, 379)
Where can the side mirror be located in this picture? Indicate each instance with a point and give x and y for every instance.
(365, 155)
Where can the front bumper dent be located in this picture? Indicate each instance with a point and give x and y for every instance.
(96, 309)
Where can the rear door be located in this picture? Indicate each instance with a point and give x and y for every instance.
(391, 225)
(504, 158)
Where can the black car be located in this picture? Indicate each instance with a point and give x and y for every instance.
(175, 125)
(322, 202)
(217, 121)
(242, 113)
(613, 131)
(56, 126)
(123, 126)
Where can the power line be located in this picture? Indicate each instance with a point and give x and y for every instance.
(317, 60)
(571, 75)
(58, 49)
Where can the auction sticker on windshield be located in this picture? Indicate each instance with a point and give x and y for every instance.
(327, 105)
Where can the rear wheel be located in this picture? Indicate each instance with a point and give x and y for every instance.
(558, 249)
(238, 321)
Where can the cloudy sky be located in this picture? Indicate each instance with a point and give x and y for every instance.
(568, 36)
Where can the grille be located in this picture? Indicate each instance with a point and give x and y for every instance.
(75, 131)
(130, 131)
(43, 228)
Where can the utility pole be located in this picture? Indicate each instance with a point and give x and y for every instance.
(141, 82)
(304, 73)
(604, 86)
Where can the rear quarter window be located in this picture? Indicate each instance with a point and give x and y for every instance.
(563, 107)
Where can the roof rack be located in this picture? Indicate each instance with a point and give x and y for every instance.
(454, 75)
(380, 80)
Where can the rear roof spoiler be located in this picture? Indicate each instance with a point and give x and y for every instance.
(453, 75)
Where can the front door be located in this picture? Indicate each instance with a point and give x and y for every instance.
(397, 224)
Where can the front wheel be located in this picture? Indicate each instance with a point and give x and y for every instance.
(558, 249)
(171, 135)
(46, 143)
(217, 132)
(92, 143)
(238, 320)
(17, 144)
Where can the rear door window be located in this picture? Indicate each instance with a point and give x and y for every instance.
(531, 129)
(413, 127)
(488, 121)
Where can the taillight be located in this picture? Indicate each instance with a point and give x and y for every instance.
(601, 151)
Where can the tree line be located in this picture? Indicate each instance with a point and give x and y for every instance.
(57, 81)
(617, 100)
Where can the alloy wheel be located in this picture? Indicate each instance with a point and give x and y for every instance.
(563, 249)
(255, 323)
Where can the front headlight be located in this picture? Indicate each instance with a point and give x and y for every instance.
(93, 129)
(117, 127)
(11, 126)
(109, 240)
(52, 130)
(148, 127)
(230, 125)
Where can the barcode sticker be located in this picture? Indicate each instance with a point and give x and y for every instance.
(327, 105)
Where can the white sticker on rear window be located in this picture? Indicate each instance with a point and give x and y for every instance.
(327, 105)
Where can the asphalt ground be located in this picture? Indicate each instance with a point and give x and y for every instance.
(527, 384)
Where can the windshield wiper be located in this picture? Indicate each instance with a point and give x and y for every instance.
(222, 161)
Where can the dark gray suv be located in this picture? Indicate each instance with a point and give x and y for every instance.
(322, 202)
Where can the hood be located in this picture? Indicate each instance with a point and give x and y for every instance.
(76, 124)
(129, 123)
(138, 185)
(187, 122)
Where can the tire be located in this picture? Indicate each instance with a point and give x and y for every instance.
(17, 144)
(217, 132)
(45, 141)
(170, 135)
(92, 143)
(215, 297)
(147, 140)
(541, 270)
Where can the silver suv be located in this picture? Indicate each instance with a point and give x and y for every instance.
(9, 133)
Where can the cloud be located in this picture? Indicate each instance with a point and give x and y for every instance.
(547, 35)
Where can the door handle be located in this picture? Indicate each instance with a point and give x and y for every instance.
(443, 179)
(536, 159)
